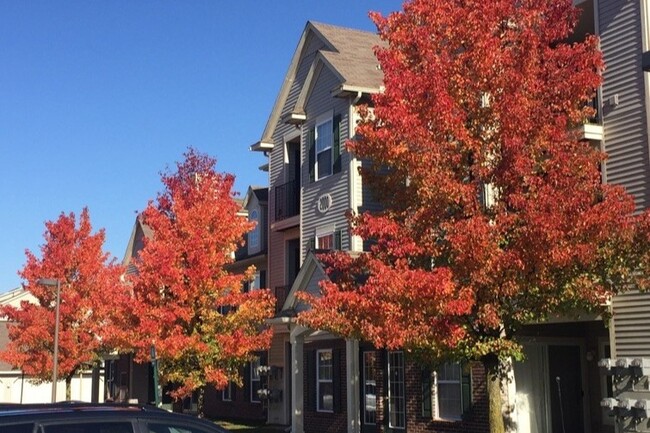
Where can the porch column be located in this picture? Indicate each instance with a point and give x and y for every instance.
(352, 373)
(297, 339)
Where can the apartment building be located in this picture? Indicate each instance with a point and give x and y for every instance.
(322, 382)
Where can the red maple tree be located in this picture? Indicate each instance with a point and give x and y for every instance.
(73, 255)
(186, 303)
(494, 214)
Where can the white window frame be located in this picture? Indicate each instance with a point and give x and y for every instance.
(438, 393)
(226, 393)
(319, 380)
(391, 384)
(255, 283)
(323, 120)
(254, 235)
(255, 377)
(321, 237)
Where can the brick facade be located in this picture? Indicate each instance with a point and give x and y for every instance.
(240, 408)
(475, 420)
(325, 422)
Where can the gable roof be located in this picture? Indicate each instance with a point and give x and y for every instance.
(140, 231)
(310, 266)
(348, 53)
(353, 56)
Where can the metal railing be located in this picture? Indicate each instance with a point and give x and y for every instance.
(287, 200)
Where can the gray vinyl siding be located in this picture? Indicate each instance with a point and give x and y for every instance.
(312, 287)
(631, 327)
(337, 185)
(626, 143)
(626, 132)
(278, 171)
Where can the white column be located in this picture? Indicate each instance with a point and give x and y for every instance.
(352, 372)
(297, 340)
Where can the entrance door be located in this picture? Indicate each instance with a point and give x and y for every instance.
(566, 394)
(549, 389)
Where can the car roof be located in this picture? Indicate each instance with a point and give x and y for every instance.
(11, 413)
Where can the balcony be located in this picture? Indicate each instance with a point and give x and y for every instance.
(592, 129)
(280, 293)
(287, 200)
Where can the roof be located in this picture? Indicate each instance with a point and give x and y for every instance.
(261, 192)
(348, 53)
(353, 56)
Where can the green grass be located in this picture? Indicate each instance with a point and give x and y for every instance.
(249, 428)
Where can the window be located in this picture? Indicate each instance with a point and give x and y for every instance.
(369, 389)
(226, 394)
(255, 380)
(449, 387)
(90, 427)
(396, 391)
(325, 242)
(159, 427)
(256, 283)
(326, 239)
(254, 235)
(324, 140)
(324, 382)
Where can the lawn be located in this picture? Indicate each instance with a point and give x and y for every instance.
(249, 428)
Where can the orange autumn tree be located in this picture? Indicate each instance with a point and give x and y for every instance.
(185, 302)
(73, 255)
(494, 214)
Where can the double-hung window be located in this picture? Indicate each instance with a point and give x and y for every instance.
(449, 381)
(255, 380)
(324, 381)
(324, 146)
(324, 140)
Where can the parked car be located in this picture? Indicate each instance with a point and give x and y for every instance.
(72, 417)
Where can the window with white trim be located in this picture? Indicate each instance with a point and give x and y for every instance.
(255, 380)
(324, 140)
(324, 381)
(325, 241)
(226, 393)
(448, 391)
(254, 235)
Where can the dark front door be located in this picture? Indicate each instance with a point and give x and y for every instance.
(566, 394)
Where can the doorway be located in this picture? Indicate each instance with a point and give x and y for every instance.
(550, 386)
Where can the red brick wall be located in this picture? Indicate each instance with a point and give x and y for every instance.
(323, 422)
(474, 421)
(240, 408)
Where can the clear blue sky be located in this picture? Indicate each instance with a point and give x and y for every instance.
(98, 97)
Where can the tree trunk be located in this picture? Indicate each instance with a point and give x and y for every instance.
(200, 402)
(68, 387)
(491, 363)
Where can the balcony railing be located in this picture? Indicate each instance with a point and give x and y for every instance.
(287, 200)
(280, 293)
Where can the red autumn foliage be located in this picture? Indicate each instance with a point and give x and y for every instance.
(185, 302)
(73, 255)
(482, 99)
